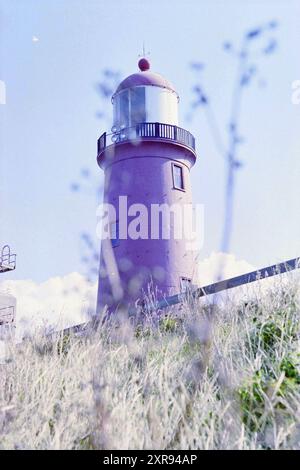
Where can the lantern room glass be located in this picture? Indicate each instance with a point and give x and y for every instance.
(145, 104)
(130, 107)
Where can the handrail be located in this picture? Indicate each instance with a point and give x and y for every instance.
(155, 130)
(7, 259)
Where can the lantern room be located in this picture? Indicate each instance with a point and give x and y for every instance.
(144, 97)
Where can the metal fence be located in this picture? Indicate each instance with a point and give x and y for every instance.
(244, 279)
(237, 281)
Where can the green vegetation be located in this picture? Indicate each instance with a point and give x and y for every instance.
(204, 378)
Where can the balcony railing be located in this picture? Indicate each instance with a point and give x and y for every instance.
(152, 130)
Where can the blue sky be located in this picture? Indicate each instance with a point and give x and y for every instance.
(49, 127)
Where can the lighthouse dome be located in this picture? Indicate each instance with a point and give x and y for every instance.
(145, 78)
(145, 96)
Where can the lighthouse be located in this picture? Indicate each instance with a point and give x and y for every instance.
(146, 215)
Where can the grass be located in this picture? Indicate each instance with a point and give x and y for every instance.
(199, 378)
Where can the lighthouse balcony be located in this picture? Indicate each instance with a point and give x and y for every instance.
(147, 131)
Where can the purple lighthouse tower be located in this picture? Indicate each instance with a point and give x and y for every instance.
(147, 212)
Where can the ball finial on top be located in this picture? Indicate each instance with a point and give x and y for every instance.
(144, 64)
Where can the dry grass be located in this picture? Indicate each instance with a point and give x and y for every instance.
(208, 379)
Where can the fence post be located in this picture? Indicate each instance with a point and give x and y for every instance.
(157, 129)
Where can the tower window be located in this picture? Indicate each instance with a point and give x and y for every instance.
(114, 234)
(178, 177)
(185, 284)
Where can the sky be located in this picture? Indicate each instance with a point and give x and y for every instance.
(53, 54)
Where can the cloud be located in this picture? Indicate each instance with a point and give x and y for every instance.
(66, 301)
(221, 264)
